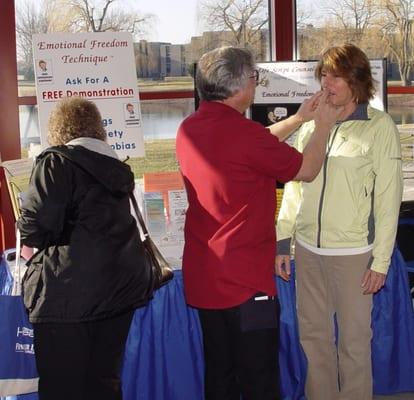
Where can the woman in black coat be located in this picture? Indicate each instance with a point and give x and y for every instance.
(89, 273)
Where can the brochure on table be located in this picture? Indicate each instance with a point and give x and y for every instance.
(97, 66)
(163, 201)
(17, 173)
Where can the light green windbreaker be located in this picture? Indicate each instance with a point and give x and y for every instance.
(355, 199)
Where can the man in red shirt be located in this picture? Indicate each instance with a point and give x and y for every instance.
(230, 165)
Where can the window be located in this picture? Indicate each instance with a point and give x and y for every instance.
(165, 50)
(379, 30)
(382, 31)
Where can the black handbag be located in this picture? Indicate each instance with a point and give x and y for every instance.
(161, 269)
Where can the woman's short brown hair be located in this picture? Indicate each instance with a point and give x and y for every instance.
(349, 62)
(74, 117)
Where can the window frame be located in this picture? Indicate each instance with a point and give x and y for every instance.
(283, 37)
(282, 48)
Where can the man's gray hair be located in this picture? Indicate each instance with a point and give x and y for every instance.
(223, 71)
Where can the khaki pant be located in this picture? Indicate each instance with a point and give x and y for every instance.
(329, 285)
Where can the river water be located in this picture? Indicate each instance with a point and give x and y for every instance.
(161, 118)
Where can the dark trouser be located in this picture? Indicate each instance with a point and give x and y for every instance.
(81, 361)
(241, 346)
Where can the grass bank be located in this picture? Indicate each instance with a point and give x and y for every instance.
(159, 157)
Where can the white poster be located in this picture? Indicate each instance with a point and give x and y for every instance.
(294, 81)
(97, 66)
(286, 82)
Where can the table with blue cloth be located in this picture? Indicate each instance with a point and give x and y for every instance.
(164, 359)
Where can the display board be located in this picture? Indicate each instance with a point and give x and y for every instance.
(97, 66)
(283, 86)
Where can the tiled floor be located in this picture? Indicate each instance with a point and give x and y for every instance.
(401, 396)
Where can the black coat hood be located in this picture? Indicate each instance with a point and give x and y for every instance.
(115, 175)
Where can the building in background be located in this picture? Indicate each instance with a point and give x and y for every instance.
(173, 60)
(148, 59)
(158, 60)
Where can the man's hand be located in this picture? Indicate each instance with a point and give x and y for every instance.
(325, 117)
(372, 281)
(325, 113)
(282, 266)
(307, 109)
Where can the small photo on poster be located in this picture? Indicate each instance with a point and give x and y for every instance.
(268, 114)
(131, 114)
(44, 71)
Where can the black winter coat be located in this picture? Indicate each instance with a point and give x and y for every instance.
(91, 262)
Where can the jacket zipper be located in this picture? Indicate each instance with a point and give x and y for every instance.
(325, 168)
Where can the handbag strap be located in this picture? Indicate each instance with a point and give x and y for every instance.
(16, 290)
(139, 215)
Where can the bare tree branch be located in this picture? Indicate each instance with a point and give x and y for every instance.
(29, 20)
(106, 15)
(244, 19)
(354, 16)
(369, 24)
(72, 16)
(397, 32)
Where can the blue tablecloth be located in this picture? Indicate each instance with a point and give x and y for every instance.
(164, 360)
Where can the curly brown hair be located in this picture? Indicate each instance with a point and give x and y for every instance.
(74, 117)
(351, 63)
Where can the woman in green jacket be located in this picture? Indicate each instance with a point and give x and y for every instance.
(344, 224)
